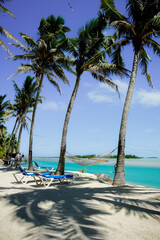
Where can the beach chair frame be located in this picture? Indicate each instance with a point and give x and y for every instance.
(48, 169)
(23, 176)
(47, 180)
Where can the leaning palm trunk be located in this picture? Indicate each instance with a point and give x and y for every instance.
(20, 131)
(119, 178)
(13, 143)
(30, 167)
(19, 136)
(9, 143)
(61, 163)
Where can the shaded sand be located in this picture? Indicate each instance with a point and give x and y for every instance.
(87, 209)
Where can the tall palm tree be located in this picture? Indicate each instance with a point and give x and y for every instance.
(44, 60)
(11, 136)
(89, 43)
(52, 28)
(3, 114)
(3, 31)
(28, 94)
(140, 29)
(24, 101)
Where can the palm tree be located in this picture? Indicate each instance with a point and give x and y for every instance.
(3, 107)
(3, 31)
(3, 114)
(11, 136)
(28, 93)
(24, 101)
(140, 28)
(84, 48)
(44, 59)
(52, 28)
(24, 125)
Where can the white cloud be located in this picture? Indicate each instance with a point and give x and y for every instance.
(98, 96)
(149, 130)
(147, 98)
(104, 93)
(54, 106)
(122, 86)
(94, 131)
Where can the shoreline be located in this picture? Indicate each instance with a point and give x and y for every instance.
(86, 209)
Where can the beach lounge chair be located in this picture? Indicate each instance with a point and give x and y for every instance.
(48, 179)
(23, 176)
(43, 168)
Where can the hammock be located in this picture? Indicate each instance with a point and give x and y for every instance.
(89, 161)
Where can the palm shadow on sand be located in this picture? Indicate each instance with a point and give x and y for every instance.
(65, 212)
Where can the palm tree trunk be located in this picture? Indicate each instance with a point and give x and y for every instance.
(9, 143)
(119, 178)
(19, 137)
(21, 128)
(13, 143)
(30, 167)
(61, 163)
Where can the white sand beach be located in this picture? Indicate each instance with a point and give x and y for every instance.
(86, 209)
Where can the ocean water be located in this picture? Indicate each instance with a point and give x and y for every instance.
(145, 171)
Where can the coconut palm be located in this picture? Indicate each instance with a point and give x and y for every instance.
(86, 46)
(3, 114)
(44, 60)
(28, 93)
(140, 29)
(11, 136)
(52, 28)
(24, 101)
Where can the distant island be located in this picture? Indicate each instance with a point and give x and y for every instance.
(112, 156)
(127, 156)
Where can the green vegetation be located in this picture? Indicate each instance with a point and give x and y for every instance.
(86, 156)
(83, 170)
(127, 156)
(112, 156)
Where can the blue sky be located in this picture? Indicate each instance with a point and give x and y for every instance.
(96, 115)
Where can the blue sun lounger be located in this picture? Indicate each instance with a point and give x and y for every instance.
(43, 168)
(25, 176)
(48, 179)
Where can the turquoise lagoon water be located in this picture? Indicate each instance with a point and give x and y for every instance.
(145, 171)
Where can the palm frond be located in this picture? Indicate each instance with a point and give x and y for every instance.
(5, 47)
(154, 45)
(19, 45)
(144, 58)
(21, 69)
(66, 63)
(29, 40)
(17, 89)
(28, 56)
(8, 35)
(54, 83)
(59, 72)
(153, 23)
(69, 45)
(5, 10)
(51, 74)
(111, 13)
(124, 26)
(105, 80)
